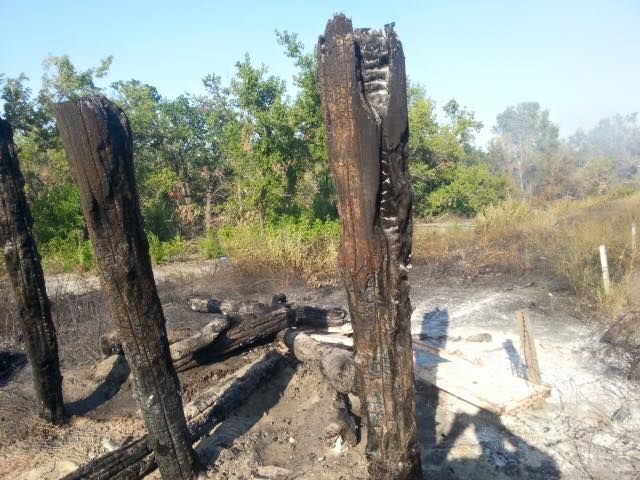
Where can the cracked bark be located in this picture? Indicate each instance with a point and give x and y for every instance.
(97, 140)
(27, 282)
(363, 93)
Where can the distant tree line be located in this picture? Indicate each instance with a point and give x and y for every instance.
(249, 152)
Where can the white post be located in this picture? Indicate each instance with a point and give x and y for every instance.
(605, 269)
(634, 237)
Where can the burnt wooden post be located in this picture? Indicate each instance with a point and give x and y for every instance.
(27, 281)
(363, 92)
(97, 140)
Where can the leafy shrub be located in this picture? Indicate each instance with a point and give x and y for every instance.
(67, 254)
(465, 190)
(161, 252)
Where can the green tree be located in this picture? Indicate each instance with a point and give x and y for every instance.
(442, 156)
(315, 189)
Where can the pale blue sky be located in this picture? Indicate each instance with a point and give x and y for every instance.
(580, 59)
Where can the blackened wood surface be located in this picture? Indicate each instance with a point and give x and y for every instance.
(246, 329)
(97, 140)
(335, 363)
(363, 93)
(27, 281)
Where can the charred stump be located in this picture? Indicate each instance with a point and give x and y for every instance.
(97, 140)
(27, 281)
(363, 93)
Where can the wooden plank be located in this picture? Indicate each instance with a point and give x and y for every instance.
(484, 387)
(528, 347)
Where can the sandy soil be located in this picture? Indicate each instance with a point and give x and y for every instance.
(588, 428)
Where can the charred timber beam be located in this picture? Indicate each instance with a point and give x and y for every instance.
(363, 95)
(246, 329)
(27, 282)
(97, 140)
(305, 315)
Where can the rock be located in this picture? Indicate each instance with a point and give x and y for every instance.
(479, 337)
(625, 332)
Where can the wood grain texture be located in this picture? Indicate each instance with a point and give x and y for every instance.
(363, 93)
(27, 282)
(528, 347)
(97, 140)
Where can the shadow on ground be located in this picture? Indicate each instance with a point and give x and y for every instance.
(105, 391)
(457, 445)
(10, 364)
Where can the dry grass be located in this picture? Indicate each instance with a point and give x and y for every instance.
(561, 239)
(289, 250)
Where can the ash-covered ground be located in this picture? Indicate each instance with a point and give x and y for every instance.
(588, 429)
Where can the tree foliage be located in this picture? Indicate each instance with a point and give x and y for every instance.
(252, 152)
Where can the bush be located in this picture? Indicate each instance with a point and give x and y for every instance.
(67, 254)
(466, 190)
(209, 246)
(175, 249)
(560, 240)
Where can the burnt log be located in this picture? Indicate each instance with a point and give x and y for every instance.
(97, 140)
(363, 96)
(220, 337)
(334, 362)
(305, 315)
(182, 352)
(27, 282)
(136, 459)
(229, 307)
(110, 344)
(321, 317)
(245, 330)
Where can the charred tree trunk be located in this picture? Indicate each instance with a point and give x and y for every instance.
(97, 140)
(305, 315)
(218, 338)
(27, 281)
(363, 93)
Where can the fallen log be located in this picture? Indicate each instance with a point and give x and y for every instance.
(305, 315)
(245, 330)
(182, 352)
(321, 317)
(229, 307)
(136, 459)
(223, 335)
(110, 344)
(335, 363)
